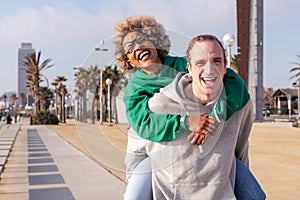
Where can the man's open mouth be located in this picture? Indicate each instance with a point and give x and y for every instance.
(209, 79)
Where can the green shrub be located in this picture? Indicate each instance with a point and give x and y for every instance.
(273, 111)
(45, 117)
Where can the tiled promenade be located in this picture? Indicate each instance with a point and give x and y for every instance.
(85, 161)
(43, 166)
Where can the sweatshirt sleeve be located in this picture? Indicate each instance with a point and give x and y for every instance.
(150, 126)
(242, 145)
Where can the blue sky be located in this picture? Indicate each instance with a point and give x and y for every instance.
(68, 31)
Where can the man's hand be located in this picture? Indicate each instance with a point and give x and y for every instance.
(201, 127)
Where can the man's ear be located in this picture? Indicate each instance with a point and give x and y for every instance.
(190, 68)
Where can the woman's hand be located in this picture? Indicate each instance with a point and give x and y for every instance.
(201, 127)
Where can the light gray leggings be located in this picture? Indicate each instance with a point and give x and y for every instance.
(139, 184)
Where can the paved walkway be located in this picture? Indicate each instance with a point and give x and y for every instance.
(44, 166)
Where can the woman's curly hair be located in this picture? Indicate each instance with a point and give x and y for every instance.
(154, 31)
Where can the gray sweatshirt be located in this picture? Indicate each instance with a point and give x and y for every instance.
(184, 171)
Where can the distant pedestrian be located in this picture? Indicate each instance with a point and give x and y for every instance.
(8, 119)
(16, 118)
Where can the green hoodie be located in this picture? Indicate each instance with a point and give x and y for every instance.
(166, 127)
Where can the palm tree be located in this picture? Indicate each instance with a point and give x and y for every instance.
(114, 74)
(13, 99)
(45, 97)
(22, 99)
(33, 69)
(81, 84)
(93, 76)
(297, 76)
(61, 91)
(296, 69)
(4, 97)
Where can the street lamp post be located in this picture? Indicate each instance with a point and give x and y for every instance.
(109, 82)
(228, 40)
(101, 49)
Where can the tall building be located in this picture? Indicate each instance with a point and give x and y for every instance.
(26, 48)
(250, 46)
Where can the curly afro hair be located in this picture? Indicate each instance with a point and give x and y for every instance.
(154, 31)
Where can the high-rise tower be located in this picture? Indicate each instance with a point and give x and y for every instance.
(26, 48)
